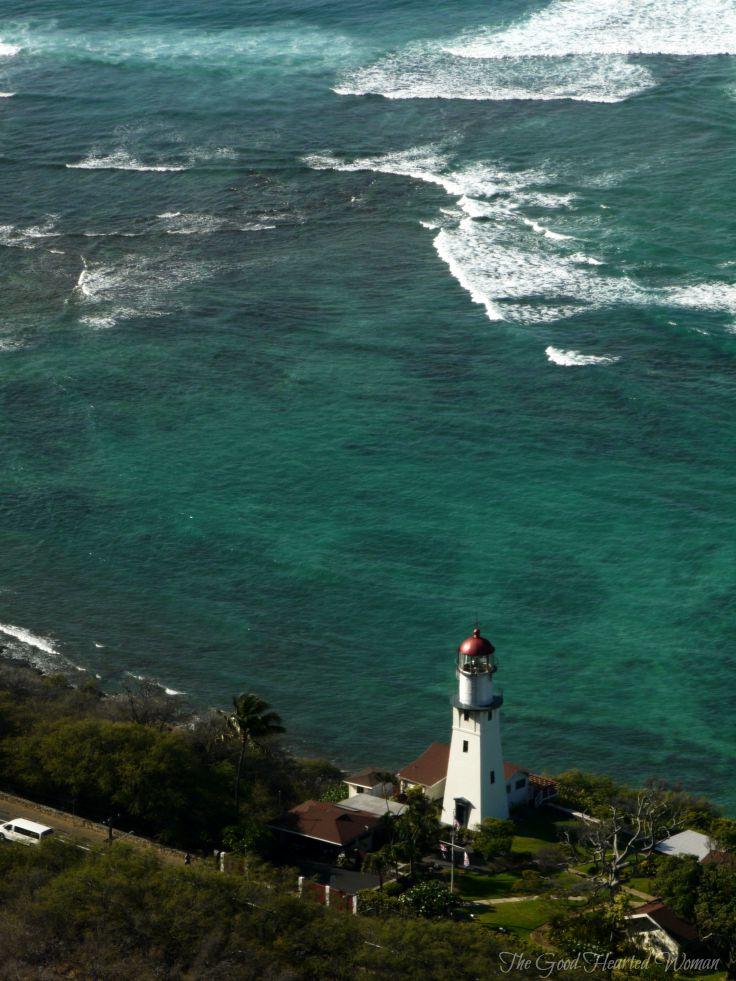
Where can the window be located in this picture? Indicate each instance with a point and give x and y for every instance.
(490, 713)
(359, 789)
(520, 784)
(493, 776)
(508, 788)
(466, 715)
(465, 745)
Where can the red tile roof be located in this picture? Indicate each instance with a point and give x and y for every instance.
(509, 769)
(366, 778)
(429, 768)
(328, 822)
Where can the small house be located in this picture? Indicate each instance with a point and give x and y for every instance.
(659, 931)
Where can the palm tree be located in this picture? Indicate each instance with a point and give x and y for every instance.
(252, 723)
(378, 863)
(387, 779)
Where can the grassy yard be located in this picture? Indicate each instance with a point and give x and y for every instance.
(642, 883)
(522, 917)
(539, 829)
(472, 886)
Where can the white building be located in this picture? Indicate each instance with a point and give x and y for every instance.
(368, 782)
(475, 787)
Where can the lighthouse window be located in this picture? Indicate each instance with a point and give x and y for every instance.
(493, 776)
(490, 713)
(465, 745)
(466, 715)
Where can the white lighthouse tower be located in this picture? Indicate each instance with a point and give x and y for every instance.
(476, 787)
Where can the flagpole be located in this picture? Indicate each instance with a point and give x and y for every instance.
(452, 859)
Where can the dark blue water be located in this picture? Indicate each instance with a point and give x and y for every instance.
(326, 326)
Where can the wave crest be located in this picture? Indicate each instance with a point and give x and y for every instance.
(570, 359)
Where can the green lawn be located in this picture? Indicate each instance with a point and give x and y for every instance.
(523, 917)
(471, 885)
(538, 829)
(642, 883)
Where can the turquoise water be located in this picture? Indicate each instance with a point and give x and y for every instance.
(326, 326)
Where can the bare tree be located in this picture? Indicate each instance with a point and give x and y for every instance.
(631, 826)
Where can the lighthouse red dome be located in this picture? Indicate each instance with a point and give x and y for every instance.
(476, 646)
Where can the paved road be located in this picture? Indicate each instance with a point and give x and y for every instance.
(71, 828)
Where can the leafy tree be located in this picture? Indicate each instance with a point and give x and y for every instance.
(587, 792)
(246, 838)
(334, 792)
(715, 912)
(431, 899)
(593, 930)
(153, 780)
(252, 724)
(723, 834)
(677, 882)
(416, 829)
(378, 863)
(493, 837)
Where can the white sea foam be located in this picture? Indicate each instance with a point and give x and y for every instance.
(436, 71)
(38, 650)
(571, 49)
(218, 48)
(132, 286)
(611, 27)
(6, 95)
(27, 238)
(121, 160)
(509, 262)
(570, 359)
(548, 233)
(8, 50)
(154, 681)
(44, 644)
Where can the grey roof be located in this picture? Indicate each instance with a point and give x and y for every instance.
(685, 843)
(372, 805)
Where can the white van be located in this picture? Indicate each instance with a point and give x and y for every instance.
(28, 832)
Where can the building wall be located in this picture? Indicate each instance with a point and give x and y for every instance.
(476, 754)
(376, 791)
(518, 796)
(435, 792)
(655, 941)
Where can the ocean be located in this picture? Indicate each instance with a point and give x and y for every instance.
(327, 327)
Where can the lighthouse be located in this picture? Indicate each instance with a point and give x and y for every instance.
(475, 787)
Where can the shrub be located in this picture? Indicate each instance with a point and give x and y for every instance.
(430, 899)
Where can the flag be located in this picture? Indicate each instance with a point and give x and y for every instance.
(443, 848)
(466, 860)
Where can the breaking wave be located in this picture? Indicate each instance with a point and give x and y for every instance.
(40, 651)
(121, 160)
(110, 292)
(27, 238)
(569, 359)
(612, 27)
(521, 268)
(572, 49)
(429, 71)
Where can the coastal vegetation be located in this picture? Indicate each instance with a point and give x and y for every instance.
(545, 883)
